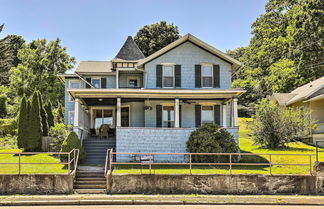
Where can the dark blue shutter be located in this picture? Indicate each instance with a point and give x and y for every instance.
(216, 76)
(198, 76)
(158, 116)
(159, 76)
(89, 81)
(198, 115)
(177, 73)
(217, 112)
(103, 83)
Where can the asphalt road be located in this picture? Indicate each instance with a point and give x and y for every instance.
(170, 207)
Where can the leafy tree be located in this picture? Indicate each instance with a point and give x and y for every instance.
(50, 116)
(274, 126)
(72, 142)
(41, 61)
(43, 114)
(23, 123)
(210, 138)
(3, 106)
(9, 47)
(34, 134)
(59, 114)
(154, 37)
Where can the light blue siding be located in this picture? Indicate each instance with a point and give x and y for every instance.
(68, 106)
(137, 114)
(188, 55)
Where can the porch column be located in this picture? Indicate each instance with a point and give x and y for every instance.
(235, 112)
(118, 117)
(117, 79)
(224, 106)
(76, 116)
(176, 114)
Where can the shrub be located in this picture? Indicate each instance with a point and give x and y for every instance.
(274, 126)
(59, 132)
(22, 123)
(8, 142)
(8, 127)
(72, 142)
(211, 138)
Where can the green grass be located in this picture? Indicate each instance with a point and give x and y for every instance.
(246, 146)
(29, 169)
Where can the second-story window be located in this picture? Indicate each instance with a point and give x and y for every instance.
(207, 75)
(95, 82)
(168, 76)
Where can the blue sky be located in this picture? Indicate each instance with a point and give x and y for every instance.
(96, 29)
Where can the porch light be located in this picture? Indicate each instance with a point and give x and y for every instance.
(148, 108)
(100, 100)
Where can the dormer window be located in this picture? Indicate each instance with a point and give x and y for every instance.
(168, 76)
(207, 76)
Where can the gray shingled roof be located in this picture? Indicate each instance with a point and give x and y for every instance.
(130, 51)
(94, 67)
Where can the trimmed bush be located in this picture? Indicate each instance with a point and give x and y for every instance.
(43, 115)
(34, 134)
(72, 142)
(59, 132)
(211, 138)
(50, 116)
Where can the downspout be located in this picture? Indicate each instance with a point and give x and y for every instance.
(85, 80)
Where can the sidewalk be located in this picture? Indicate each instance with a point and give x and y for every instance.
(75, 199)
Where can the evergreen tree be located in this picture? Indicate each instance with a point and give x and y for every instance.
(50, 116)
(34, 138)
(60, 114)
(43, 115)
(22, 123)
(3, 106)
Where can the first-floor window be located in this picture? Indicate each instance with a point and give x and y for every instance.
(207, 114)
(71, 117)
(168, 116)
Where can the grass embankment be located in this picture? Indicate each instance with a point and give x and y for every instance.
(29, 168)
(246, 146)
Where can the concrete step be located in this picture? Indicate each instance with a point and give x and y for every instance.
(88, 179)
(90, 186)
(92, 175)
(90, 191)
(88, 182)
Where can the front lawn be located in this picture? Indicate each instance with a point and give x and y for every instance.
(246, 146)
(29, 168)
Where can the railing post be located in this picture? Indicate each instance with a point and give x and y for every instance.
(316, 151)
(19, 164)
(110, 160)
(190, 165)
(270, 161)
(310, 164)
(69, 162)
(230, 158)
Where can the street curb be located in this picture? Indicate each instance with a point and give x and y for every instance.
(137, 202)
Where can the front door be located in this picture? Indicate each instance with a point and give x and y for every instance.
(103, 116)
(125, 116)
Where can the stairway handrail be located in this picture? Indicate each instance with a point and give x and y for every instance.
(76, 160)
(108, 161)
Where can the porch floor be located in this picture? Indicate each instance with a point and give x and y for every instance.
(96, 150)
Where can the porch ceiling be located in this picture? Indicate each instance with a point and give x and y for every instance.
(157, 93)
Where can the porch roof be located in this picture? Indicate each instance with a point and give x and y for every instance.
(156, 93)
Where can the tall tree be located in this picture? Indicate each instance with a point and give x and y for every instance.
(34, 137)
(43, 115)
(22, 123)
(9, 47)
(40, 63)
(154, 37)
(50, 116)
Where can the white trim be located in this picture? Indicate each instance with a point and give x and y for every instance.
(173, 71)
(69, 118)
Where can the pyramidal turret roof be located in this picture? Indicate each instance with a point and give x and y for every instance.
(130, 51)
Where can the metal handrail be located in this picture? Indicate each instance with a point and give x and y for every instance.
(68, 163)
(230, 163)
(76, 161)
(317, 150)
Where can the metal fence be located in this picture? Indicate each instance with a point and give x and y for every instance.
(71, 162)
(233, 160)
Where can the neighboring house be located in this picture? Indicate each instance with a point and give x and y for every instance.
(154, 103)
(310, 95)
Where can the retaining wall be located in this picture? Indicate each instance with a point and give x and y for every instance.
(215, 184)
(36, 184)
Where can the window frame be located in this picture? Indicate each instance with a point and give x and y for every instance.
(96, 78)
(69, 117)
(133, 78)
(70, 82)
(168, 121)
(213, 113)
(173, 75)
(202, 77)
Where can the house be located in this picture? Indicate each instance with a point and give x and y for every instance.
(153, 103)
(311, 96)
